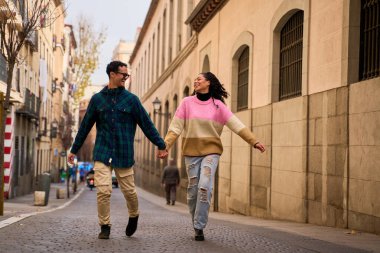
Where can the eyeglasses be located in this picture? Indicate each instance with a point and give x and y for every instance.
(125, 75)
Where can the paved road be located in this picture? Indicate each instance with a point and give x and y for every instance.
(75, 229)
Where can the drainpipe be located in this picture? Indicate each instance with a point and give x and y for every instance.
(348, 154)
(307, 121)
(250, 169)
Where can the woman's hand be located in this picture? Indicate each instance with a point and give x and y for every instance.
(162, 153)
(259, 146)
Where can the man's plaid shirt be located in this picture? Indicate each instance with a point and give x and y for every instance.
(116, 113)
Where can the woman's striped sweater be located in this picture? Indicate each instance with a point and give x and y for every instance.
(202, 124)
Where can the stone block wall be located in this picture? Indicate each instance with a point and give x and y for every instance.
(260, 181)
(289, 159)
(327, 158)
(364, 153)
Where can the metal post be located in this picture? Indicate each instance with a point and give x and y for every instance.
(68, 181)
(75, 174)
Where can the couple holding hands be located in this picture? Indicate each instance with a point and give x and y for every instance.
(200, 119)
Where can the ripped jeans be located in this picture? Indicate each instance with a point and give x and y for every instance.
(200, 171)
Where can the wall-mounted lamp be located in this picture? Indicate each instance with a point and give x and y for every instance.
(157, 106)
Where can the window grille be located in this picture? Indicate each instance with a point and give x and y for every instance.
(291, 57)
(242, 89)
(3, 69)
(369, 63)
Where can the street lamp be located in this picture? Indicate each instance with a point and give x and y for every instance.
(157, 106)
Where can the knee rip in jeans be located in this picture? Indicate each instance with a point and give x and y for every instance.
(193, 181)
(203, 194)
(209, 161)
(207, 171)
(191, 166)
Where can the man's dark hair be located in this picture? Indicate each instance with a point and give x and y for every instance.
(113, 66)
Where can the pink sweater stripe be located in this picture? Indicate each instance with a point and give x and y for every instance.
(192, 108)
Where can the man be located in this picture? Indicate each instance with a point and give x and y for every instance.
(116, 113)
(170, 178)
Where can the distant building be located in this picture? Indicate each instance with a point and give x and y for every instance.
(34, 113)
(122, 52)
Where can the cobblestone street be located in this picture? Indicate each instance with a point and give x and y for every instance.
(161, 229)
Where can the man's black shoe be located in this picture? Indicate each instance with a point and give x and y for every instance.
(199, 236)
(132, 226)
(105, 232)
(173, 203)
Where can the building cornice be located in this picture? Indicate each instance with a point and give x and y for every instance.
(203, 13)
(183, 54)
(148, 19)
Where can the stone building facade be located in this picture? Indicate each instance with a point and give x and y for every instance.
(302, 74)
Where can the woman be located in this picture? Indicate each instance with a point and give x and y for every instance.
(201, 118)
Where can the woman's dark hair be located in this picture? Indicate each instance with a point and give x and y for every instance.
(216, 89)
(113, 66)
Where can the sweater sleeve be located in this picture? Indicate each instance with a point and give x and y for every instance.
(176, 126)
(236, 126)
(146, 125)
(85, 127)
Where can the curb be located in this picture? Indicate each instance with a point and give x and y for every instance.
(17, 218)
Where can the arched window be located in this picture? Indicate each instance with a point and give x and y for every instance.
(291, 45)
(166, 117)
(186, 92)
(206, 64)
(243, 73)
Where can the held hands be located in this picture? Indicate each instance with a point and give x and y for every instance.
(260, 147)
(162, 154)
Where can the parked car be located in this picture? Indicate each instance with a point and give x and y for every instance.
(115, 183)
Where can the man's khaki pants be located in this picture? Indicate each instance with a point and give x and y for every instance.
(103, 183)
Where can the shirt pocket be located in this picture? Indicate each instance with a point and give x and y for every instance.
(124, 114)
(103, 113)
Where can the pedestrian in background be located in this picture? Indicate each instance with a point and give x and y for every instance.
(170, 180)
(200, 119)
(81, 174)
(116, 113)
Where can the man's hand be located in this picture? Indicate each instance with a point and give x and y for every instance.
(162, 153)
(260, 147)
(70, 159)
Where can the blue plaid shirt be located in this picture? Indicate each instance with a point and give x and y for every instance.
(116, 113)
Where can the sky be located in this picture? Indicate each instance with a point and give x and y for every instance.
(121, 19)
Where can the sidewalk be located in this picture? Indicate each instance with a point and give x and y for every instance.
(356, 239)
(21, 207)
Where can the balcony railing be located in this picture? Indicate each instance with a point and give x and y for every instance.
(32, 40)
(31, 107)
